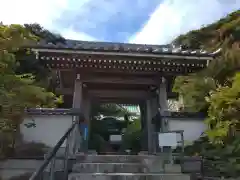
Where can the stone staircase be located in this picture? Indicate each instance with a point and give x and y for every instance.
(123, 167)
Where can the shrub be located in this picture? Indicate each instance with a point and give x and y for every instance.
(24, 176)
(31, 150)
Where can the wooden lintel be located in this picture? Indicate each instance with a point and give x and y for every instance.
(69, 91)
(106, 94)
(119, 80)
(117, 100)
(132, 94)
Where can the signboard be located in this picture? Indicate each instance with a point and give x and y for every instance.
(168, 139)
(115, 138)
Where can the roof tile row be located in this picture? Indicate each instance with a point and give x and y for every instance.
(122, 47)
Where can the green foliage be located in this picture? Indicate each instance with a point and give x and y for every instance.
(194, 89)
(29, 64)
(17, 91)
(30, 150)
(224, 32)
(216, 91)
(132, 136)
(24, 176)
(97, 142)
(44, 34)
(219, 160)
(224, 111)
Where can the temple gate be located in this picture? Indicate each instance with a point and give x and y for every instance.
(90, 72)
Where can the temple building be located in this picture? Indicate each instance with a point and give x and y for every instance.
(100, 72)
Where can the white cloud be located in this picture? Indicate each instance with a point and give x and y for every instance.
(30, 11)
(43, 12)
(69, 33)
(174, 17)
(171, 18)
(110, 20)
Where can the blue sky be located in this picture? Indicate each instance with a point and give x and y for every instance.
(134, 21)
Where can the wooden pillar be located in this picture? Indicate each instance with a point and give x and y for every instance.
(77, 103)
(86, 103)
(162, 94)
(77, 94)
(154, 105)
(86, 112)
(144, 126)
(154, 111)
(149, 126)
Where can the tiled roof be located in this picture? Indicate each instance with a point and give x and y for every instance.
(121, 47)
(58, 111)
(52, 111)
(174, 114)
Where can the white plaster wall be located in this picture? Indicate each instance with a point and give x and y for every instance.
(48, 130)
(193, 128)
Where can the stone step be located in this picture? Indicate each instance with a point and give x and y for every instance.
(127, 176)
(125, 168)
(173, 168)
(108, 168)
(114, 158)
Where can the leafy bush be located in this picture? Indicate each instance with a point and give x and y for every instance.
(24, 176)
(132, 137)
(31, 150)
(219, 160)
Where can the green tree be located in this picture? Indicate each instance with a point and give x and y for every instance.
(224, 112)
(17, 91)
(29, 64)
(132, 136)
(216, 90)
(195, 87)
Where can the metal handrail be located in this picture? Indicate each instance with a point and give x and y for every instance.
(51, 156)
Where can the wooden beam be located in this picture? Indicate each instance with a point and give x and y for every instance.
(117, 100)
(131, 94)
(69, 91)
(119, 80)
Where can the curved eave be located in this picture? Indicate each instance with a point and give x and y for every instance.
(216, 53)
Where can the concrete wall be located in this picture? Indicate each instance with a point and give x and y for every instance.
(193, 128)
(48, 130)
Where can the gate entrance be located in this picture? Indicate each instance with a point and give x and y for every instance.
(100, 72)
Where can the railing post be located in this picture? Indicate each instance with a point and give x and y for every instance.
(75, 137)
(52, 169)
(51, 156)
(65, 168)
